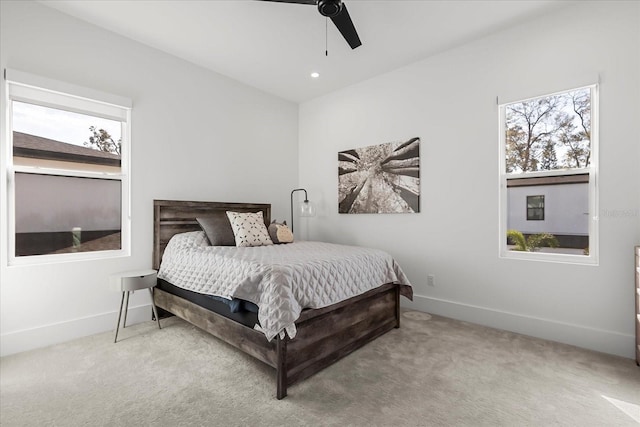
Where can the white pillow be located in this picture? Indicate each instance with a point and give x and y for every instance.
(249, 229)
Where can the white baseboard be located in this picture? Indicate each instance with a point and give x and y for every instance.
(55, 333)
(580, 336)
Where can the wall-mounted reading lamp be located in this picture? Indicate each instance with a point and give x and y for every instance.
(305, 208)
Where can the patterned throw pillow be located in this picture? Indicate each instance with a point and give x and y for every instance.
(249, 229)
(280, 233)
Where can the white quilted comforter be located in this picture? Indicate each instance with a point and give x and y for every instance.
(280, 279)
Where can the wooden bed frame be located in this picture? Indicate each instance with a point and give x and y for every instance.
(323, 335)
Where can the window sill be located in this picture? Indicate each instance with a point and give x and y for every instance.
(65, 258)
(591, 259)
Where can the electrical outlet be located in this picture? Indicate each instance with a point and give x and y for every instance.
(431, 280)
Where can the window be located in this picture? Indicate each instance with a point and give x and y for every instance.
(535, 208)
(548, 163)
(67, 169)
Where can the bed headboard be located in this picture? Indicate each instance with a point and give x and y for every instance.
(179, 216)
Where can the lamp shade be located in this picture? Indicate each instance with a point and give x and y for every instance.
(307, 209)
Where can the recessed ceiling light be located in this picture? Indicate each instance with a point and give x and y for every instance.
(315, 75)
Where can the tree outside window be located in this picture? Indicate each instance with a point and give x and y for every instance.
(549, 133)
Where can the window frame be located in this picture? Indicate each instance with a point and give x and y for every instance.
(32, 89)
(593, 170)
(535, 209)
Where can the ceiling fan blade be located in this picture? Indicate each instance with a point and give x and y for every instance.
(344, 24)
(311, 2)
(342, 20)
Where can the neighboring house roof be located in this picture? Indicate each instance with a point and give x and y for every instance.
(582, 178)
(37, 147)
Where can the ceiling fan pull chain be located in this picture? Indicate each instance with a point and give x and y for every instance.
(326, 43)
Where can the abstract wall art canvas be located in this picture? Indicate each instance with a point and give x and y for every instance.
(382, 178)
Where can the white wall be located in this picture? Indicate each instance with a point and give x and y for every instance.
(196, 135)
(449, 101)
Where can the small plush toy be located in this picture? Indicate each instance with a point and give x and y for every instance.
(280, 233)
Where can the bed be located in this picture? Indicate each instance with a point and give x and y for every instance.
(321, 336)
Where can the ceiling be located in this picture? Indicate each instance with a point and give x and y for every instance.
(275, 46)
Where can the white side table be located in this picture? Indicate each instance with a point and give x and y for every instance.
(130, 281)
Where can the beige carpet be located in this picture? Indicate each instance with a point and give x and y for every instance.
(431, 372)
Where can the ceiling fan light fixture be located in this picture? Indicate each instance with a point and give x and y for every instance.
(330, 8)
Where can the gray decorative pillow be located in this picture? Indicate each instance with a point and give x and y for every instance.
(280, 233)
(249, 229)
(218, 229)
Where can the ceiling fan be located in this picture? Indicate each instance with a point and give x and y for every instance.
(337, 11)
